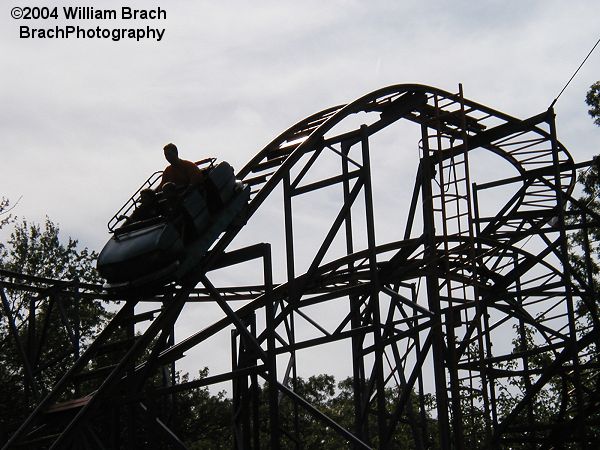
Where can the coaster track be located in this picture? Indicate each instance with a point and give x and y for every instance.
(429, 311)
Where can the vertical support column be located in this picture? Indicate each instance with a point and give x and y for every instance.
(245, 398)
(425, 440)
(374, 300)
(291, 275)
(589, 266)
(250, 359)
(480, 312)
(523, 342)
(77, 319)
(451, 316)
(468, 192)
(361, 422)
(76, 327)
(485, 351)
(255, 393)
(564, 250)
(170, 401)
(271, 350)
(31, 341)
(433, 296)
(241, 355)
(131, 440)
(236, 394)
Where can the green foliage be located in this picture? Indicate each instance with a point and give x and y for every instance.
(512, 389)
(320, 391)
(593, 101)
(5, 217)
(38, 251)
(49, 327)
(202, 420)
(336, 400)
(586, 240)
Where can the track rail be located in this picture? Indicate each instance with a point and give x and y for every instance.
(480, 284)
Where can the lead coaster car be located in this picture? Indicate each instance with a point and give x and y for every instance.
(149, 251)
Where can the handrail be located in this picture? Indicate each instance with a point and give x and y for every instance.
(206, 160)
(133, 201)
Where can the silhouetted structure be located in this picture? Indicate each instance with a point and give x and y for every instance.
(433, 311)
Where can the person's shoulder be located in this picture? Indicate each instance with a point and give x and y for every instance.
(190, 164)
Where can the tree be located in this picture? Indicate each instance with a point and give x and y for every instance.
(46, 324)
(5, 217)
(584, 244)
(593, 100)
(584, 256)
(202, 420)
(545, 407)
(336, 400)
(38, 251)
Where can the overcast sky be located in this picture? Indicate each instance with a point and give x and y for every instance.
(83, 121)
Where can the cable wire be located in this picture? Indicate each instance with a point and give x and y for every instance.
(573, 76)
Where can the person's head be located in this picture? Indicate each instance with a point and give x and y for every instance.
(146, 195)
(171, 153)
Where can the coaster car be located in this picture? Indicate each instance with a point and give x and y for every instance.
(163, 237)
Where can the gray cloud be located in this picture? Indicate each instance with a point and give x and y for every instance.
(82, 122)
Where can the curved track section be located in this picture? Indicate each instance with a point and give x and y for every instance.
(524, 145)
(476, 307)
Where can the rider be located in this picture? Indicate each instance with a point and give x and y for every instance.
(181, 172)
(178, 175)
(184, 173)
(146, 208)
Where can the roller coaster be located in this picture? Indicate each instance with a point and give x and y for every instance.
(470, 301)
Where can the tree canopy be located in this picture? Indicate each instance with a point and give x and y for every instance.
(593, 101)
(38, 329)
